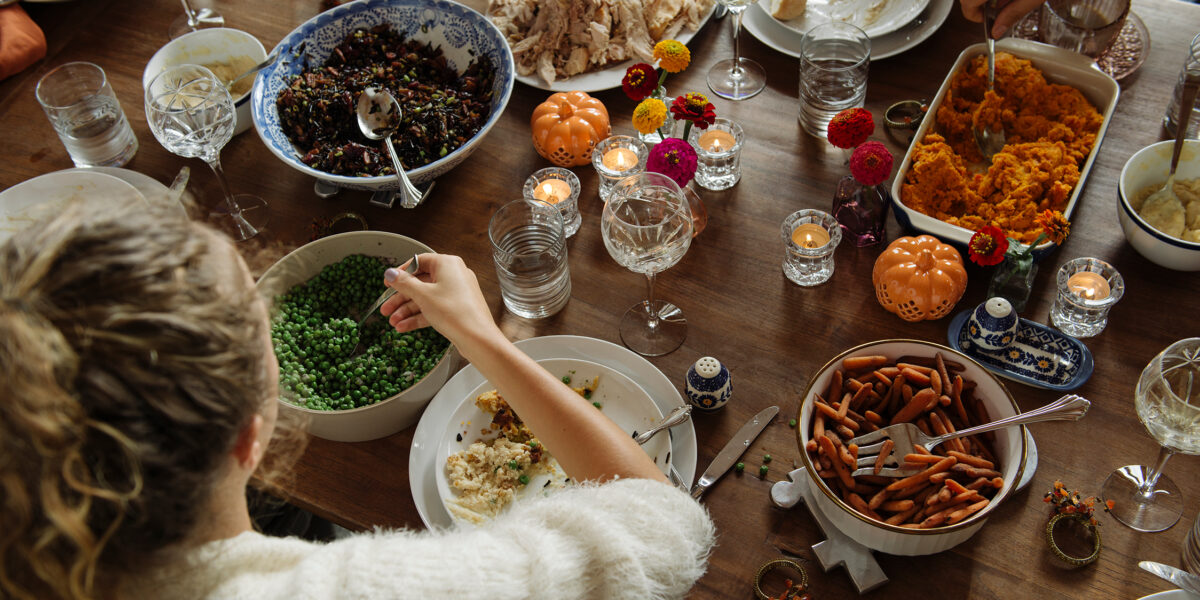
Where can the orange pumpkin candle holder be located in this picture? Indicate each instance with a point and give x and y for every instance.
(567, 126)
(919, 278)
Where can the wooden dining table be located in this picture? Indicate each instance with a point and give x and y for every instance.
(772, 334)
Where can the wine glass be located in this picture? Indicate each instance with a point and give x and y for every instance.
(191, 20)
(1168, 403)
(737, 78)
(192, 115)
(647, 227)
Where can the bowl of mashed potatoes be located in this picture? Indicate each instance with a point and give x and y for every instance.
(1166, 233)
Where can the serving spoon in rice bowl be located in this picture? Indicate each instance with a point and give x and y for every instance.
(378, 118)
(988, 136)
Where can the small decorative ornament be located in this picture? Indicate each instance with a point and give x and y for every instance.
(993, 325)
(1072, 533)
(919, 278)
(708, 384)
(567, 126)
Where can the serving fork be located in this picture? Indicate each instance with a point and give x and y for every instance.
(906, 436)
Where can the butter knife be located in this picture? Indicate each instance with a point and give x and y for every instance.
(1179, 577)
(733, 450)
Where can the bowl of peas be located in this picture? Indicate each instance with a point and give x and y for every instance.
(352, 383)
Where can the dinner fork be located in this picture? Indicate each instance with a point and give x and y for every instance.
(906, 436)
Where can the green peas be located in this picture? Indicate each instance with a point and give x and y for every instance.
(762, 471)
(739, 467)
(766, 458)
(792, 423)
(524, 479)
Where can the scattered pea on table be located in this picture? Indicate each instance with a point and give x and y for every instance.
(739, 467)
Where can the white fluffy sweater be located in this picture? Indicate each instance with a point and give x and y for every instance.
(626, 539)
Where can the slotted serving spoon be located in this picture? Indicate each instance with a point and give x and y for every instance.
(990, 141)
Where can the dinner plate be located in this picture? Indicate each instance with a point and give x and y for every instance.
(1170, 595)
(43, 196)
(150, 188)
(618, 396)
(422, 458)
(770, 32)
(894, 15)
(603, 79)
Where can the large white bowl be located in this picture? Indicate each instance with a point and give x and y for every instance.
(1149, 167)
(460, 32)
(1059, 66)
(387, 416)
(206, 47)
(1010, 448)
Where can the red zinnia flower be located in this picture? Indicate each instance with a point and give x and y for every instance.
(694, 107)
(871, 163)
(640, 81)
(674, 158)
(851, 127)
(987, 246)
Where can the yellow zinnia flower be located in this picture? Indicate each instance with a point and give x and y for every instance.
(649, 115)
(672, 56)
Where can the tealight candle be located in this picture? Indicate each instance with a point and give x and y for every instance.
(616, 158)
(1088, 285)
(716, 140)
(620, 159)
(552, 190)
(809, 239)
(810, 235)
(559, 187)
(718, 154)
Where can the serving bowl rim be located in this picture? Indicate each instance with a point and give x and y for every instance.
(1123, 197)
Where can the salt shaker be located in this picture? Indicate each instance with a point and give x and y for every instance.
(993, 325)
(708, 384)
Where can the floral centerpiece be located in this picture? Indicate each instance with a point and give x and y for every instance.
(861, 202)
(1013, 280)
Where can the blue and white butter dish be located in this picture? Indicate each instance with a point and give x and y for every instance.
(1033, 354)
(708, 384)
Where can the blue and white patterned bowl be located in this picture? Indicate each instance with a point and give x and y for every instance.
(461, 33)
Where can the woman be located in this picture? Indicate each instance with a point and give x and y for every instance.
(142, 396)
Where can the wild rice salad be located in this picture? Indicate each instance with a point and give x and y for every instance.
(442, 109)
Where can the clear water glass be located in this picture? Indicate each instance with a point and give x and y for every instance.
(737, 78)
(568, 204)
(1167, 400)
(1084, 26)
(1078, 313)
(834, 59)
(718, 154)
(616, 158)
(809, 264)
(86, 115)
(192, 115)
(647, 228)
(1191, 548)
(530, 251)
(1191, 66)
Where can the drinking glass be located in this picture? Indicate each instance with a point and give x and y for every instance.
(1191, 549)
(191, 20)
(191, 114)
(1085, 26)
(737, 78)
(1191, 68)
(86, 115)
(834, 59)
(1167, 400)
(647, 228)
(529, 248)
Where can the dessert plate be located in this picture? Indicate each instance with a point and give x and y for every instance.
(875, 17)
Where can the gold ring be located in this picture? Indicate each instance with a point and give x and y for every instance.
(781, 563)
(906, 114)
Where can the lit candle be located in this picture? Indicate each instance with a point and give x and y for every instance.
(1088, 285)
(552, 191)
(716, 140)
(810, 235)
(620, 159)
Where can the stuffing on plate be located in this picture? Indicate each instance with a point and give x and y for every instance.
(1049, 131)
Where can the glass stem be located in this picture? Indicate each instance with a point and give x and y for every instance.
(736, 71)
(1147, 488)
(191, 15)
(234, 210)
(652, 321)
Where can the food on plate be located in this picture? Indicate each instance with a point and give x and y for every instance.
(1178, 220)
(315, 330)
(787, 9)
(1050, 129)
(442, 108)
(957, 478)
(554, 39)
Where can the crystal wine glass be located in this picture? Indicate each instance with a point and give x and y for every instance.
(737, 78)
(192, 115)
(191, 20)
(647, 228)
(1167, 400)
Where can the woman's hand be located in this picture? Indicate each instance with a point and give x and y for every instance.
(1011, 11)
(445, 294)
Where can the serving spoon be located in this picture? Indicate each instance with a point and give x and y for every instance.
(378, 118)
(411, 268)
(252, 70)
(990, 141)
(1164, 199)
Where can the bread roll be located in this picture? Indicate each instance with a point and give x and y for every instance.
(787, 9)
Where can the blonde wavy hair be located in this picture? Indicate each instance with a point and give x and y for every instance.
(131, 359)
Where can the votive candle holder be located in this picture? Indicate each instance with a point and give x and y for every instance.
(804, 265)
(542, 186)
(1084, 313)
(718, 154)
(616, 158)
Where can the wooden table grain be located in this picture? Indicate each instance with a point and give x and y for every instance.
(772, 334)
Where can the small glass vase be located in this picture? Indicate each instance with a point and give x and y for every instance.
(1013, 280)
(669, 126)
(862, 211)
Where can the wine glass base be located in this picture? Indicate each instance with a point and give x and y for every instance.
(1158, 512)
(247, 222)
(733, 83)
(205, 17)
(662, 339)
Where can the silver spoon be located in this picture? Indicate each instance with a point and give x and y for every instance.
(677, 416)
(378, 118)
(990, 141)
(256, 68)
(411, 268)
(1165, 195)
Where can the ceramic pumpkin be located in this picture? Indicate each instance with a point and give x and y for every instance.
(919, 278)
(567, 126)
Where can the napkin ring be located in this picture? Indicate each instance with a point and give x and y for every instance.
(322, 227)
(794, 591)
(906, 114)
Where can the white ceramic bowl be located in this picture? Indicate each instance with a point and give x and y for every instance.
(392, 414)
(459, 31)
(206, 47)
(1010, 449)
(1148, 167)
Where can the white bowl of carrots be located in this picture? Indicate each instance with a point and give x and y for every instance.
(959, 483)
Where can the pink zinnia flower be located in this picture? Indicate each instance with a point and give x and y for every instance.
(674, 158)
(871, 163)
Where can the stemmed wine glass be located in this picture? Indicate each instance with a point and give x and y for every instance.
(647, 228)
(1167, 400)
(737, 78)
(192, 115)
(191, 20)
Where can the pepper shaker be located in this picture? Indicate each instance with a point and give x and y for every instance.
(708, 384)
(993, 325)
